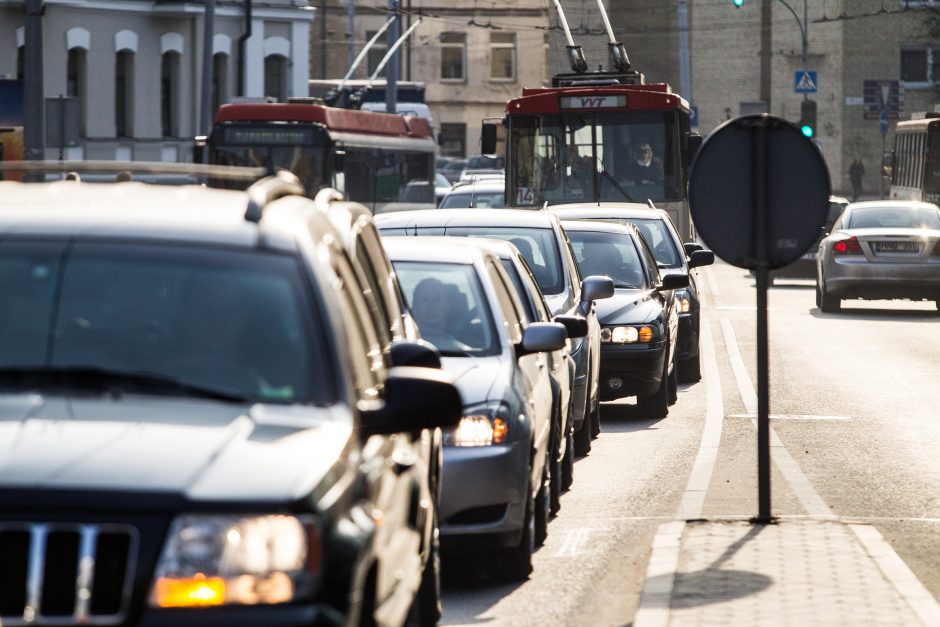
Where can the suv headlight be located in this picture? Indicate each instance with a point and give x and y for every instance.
(241, 560)
(627, 335)
(480, 426)
(683, 300)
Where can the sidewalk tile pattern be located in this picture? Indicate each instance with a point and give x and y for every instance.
(793, 573)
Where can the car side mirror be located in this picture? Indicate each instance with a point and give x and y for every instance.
(693, 141)
(488, 138)
(542, 337)
(701, 258)
(199, 148)
(339, 160)
(415, 399)
(674, 281)
(576, 326)
(596, 287)
(418, 353)
(691, 247)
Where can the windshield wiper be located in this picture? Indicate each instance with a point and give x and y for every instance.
(627, 285)
(112, 381)
(617, 185)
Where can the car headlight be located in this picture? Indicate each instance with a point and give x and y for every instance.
(237, 560)
(627, 335)
(480, 426)
(683, 300)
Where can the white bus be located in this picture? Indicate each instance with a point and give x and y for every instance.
(915, 160)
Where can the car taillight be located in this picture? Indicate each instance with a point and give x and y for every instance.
(848, 246)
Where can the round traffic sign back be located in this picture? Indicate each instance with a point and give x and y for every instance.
(759, 165)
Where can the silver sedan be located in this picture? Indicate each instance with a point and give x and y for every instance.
(880, 250)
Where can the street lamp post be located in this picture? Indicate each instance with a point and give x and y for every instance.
(804, 31)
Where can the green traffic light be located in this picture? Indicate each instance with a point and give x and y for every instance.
(738, 3)
(807, 130)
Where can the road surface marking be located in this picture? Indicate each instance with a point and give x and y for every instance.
(791, 417)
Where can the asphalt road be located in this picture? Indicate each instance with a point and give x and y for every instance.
(855, 402)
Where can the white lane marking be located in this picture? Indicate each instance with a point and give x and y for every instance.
(743, 308)
(712, 286)
(791, 417)
(799, 483)
(693, 499)
(896, 571)
(653, 610)
(575, 540)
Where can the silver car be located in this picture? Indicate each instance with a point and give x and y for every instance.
(880, 249)
(496, 473)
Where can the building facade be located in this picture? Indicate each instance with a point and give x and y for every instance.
(471, 57)
(134, 67)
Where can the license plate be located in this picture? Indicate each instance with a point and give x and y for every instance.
(897, 247)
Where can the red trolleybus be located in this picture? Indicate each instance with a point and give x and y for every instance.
(377, 159)
(915, 172)
(596, 139)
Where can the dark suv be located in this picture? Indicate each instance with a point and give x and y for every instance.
(200, 424)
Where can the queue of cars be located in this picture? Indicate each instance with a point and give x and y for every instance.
(311, 413)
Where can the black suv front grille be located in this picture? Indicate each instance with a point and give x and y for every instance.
(65, 573)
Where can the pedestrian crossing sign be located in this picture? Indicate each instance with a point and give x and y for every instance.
(804, 81)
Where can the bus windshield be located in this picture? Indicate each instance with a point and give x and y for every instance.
(623, 156)
(300, 149)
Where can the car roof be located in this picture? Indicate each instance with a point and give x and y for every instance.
(424, 218)
(887, 203)
(625, 211)
(148, 212)
(434, 249)
(596, 226)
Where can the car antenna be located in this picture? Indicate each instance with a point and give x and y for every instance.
(649, 201)
(473, 187)
(545, 206)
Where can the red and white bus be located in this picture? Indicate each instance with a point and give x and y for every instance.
(582, 142)
(378, 159)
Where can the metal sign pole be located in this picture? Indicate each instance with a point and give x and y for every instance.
(762, 275)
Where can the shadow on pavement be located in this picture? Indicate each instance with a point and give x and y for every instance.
(886, 315)
(622, 417)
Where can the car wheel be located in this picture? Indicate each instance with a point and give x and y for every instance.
(515, 564)
(567, 464)
(657, 405)
(582, 437)
(673, 382)
(543, 508)
(427, 606)
(826, 302)
(596, 420)
(556, 478)
(690, 370)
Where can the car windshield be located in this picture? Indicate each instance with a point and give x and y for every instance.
(233, 323)
(657, 236)
(448, 304)
(477, 200)
(610, 254)
(538, 246)
(894, 218)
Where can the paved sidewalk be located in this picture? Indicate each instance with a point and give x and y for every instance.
(796, 572)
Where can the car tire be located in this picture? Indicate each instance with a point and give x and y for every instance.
(556, 481)
(826, 302)
(543, 508)
(582, 437)
(657, 405)
(690, 370)
(567, 464)
(515, 564)
(427, 605)
(673, 382)
(596, 421)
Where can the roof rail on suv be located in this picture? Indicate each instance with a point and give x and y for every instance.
(268, 189)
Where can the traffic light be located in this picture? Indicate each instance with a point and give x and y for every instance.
(808, 118)
(737, 3)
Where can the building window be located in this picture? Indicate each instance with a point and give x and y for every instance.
(453, 139)
(920, 67)
(76, 83)
(124, 93)
(169, 94)
(453, 56)
(219, 80)
(503, 56)
(275, 77)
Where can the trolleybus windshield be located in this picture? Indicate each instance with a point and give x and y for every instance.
(626, 156)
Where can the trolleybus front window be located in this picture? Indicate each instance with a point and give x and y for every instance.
(616, 156)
